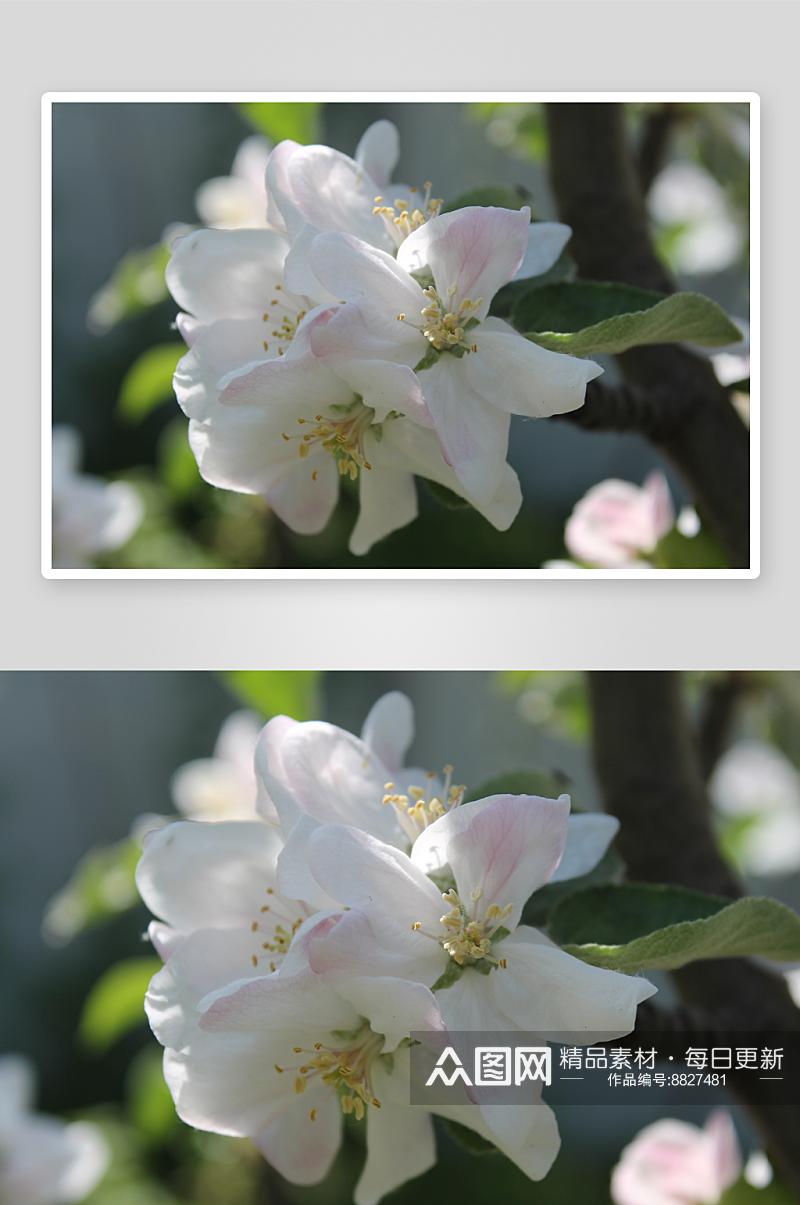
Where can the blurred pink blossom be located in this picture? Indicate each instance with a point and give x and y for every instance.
(616, 522)
(675, 1163)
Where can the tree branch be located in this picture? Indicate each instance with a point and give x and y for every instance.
(650, 774)
(598, 192)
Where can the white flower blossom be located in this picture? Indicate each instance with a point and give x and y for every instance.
(616, 522)
(221, 787)
(43, 1160)
(90, 516)
(676, 1163)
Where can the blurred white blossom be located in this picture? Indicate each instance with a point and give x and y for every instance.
(757, 789)
(43, 1161)
(223, 786)
(687, 198)
(90, 516)
(238, 201)
(616, 522)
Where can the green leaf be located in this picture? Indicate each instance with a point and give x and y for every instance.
(499, 196)
(742, 1193)
(588, 317)
(277, 692)
(520, 782)
(450, 976)
(102, 885)
(298, 120)
(149, 1103)
(443, 495)
(177, 465)
(148, 381)
(430, 358)
(136, 284)
(632, 926)
(538, 908)
(115, 1004)
(510, 295)
(469, 1139)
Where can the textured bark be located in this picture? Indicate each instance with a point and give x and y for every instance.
(649, 767)
(598, 190)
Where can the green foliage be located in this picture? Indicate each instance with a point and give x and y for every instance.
(631, 926)
(520, 782)
(469, 1139)
(443, 495)
(136, 284)
(742, 1193)
(676, 551)
(148, 381)
(499, 196)
(589, 318)
(538, 909)
(297, 120)
(149, 1104)
(101, 886)
(177, 465)
(115, 1004)
(506, 299)
(277, 692)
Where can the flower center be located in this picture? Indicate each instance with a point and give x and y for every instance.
(445, 327)
(407, 215)
(466, 937)
(420, 807)
(290, 319)
(345, 1068)
(342, 438)
(280, 937)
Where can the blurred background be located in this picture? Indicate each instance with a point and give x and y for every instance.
(87, 760)
(126, 179)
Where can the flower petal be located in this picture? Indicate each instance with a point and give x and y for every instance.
(334, 193)
(388, 501)
(474, 250)
(400, 1146)
(535, 1157)
(522, 378)
(274, 1003)
(226, 273)
(378, 151)
(364, 944)
(550, 993)
(300, 1149)
(207, 875)
(306, 498)
(588, 838)
(546, 241)
(389, 728)
(473, 433)
(394, 1006)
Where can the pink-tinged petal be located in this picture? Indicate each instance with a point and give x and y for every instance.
(663, 512)
(208, 875)
(388, 501)
(337, 779)
(306, 498)
(283, 212)
(673, 1162)
(223, 347)
(507, 850)
(545, 991)
(389, 728)
(274, 794)
(363, 275)
(387, 387)
(518, 376)
(476, 250)
(378, 944)
(409, 447)
(241, 449)
(163, 938)
(357, 332)
(470, 1005)
(378, 151)
(292, 1003)
(400, 1146)
(361, 872)
(201, 963)
(300, 1149)
(546, 241)
(472, 433)
(301, 382)
(334, 193)
(226, 273)
(588, 838)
